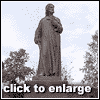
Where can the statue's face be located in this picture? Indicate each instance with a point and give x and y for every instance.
(51, 8)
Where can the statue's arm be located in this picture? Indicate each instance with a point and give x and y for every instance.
(38, 34)
(57, 24)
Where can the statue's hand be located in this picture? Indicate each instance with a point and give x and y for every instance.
(55, 29)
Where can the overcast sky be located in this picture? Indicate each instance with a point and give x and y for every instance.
(80, 20)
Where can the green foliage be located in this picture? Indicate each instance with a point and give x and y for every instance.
(66, 74)
(14, 66)
(91, 63)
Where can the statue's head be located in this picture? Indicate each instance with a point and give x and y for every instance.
(50, 8)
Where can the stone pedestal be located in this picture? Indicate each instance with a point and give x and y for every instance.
(46, 82)
(46, 78)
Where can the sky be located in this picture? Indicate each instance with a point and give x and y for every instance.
(80, 20)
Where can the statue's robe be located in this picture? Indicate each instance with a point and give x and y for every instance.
(49, 40)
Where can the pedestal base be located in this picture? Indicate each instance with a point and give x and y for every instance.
(47, 78)
(40, 82)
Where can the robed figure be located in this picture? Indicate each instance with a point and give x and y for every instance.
(47, 36)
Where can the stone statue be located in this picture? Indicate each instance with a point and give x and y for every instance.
(47, 36)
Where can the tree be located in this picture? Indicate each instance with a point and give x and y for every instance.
(14, 66)
(66, 74)
(91, 62)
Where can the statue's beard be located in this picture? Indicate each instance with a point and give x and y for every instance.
(49, 13)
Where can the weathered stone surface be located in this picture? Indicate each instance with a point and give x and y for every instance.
(47, 37)
(51, 81)
(47, 78)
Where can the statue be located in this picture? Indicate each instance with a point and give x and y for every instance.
(47, 36)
